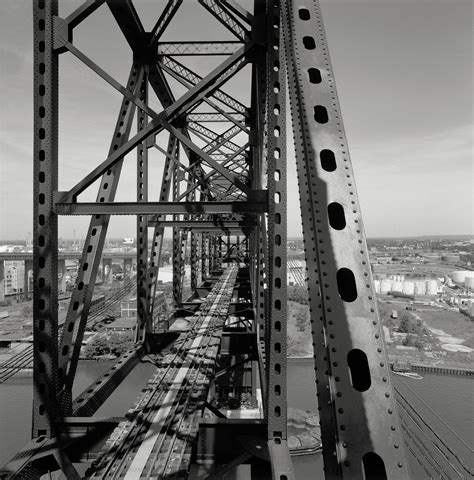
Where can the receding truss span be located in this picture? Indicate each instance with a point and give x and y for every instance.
(218, 134)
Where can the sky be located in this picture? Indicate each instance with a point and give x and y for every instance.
(404, 75)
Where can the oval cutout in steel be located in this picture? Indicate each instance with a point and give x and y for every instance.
(337, 217)
(309, 43)
(304, 14)
(359, 370)
(328, 160)
(374, 468)
(314, 75)
(321, 114)
(346, 284)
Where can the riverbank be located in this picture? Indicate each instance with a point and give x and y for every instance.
(445, 369)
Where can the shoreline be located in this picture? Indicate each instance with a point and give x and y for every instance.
(421, 366)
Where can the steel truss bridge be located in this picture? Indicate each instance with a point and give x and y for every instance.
(223, 194)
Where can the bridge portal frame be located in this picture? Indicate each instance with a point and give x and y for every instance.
(352, 370)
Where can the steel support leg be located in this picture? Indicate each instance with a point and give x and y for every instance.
(276, 404)
(359, 423)
(143, 319)
(45, 222)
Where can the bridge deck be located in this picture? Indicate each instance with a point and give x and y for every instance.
(157, 438)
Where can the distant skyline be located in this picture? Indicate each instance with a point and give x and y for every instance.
(403, 71)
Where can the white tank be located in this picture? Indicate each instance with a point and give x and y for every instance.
(397, 286)
(420, 287)
(385, 286)
(469, 282)
(377, 286)
(431, 287)
(408, 287)
(460, 275)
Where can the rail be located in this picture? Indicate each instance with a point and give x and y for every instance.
(156, 439)
(24, 359)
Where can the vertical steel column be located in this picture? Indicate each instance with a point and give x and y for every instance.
(177, 250)
(276, 157)
(45, 222)
(204, 257)
(360, 425)
(194, 261)
(157, 245)
(143, 319)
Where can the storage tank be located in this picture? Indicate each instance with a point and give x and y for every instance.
(469, 282)
(377, 286)
(460, 275)
(420, 288)
(431, 287)
(408, 287)
(397, 286)
(385, 286)
(451, 258)
(468, 274)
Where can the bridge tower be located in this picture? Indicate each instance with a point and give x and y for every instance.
(223, 194)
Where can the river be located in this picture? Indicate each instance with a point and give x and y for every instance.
(449, 396)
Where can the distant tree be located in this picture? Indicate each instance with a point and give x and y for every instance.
(120, 342)
(409, 341)
(419, 344)
(97, 346)
(411, 325)
(114, 344)
(404, 325)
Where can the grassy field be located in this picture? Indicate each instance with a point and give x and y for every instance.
(453, 323)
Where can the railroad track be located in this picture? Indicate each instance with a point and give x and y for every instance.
(156, 441)
(24, 359)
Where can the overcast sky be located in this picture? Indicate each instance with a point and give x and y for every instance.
(403, 70)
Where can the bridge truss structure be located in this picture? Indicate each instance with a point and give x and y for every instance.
(223, 193)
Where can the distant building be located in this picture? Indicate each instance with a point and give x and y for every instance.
(128, 308)
(14, 278)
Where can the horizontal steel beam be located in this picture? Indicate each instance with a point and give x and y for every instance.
(162, 208)
(203, 224)
(198, 48)
(91, 399)
(214, 117)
